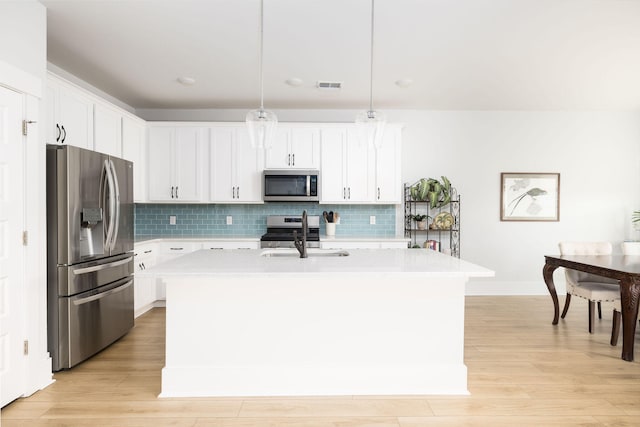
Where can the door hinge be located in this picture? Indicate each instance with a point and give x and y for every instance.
(26, 347)
(25, 238)
(24, 126)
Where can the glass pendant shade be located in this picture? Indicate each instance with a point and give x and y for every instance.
(370, 125)
(262, 127)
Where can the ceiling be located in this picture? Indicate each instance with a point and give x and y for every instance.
(459, 54)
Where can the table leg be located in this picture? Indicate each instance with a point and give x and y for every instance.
(547, 273)
(629, 295)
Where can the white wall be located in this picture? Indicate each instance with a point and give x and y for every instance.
(23, 36)
(596, 153)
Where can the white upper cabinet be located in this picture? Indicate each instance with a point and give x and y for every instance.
(69, 114)
(388, 163)
(347, 168)
(351, 172)
(174, 168)
(294, 147)
(235, 167)
(134, 149)
(107, 130)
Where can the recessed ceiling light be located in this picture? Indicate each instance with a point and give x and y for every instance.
(294, 82)
(187, 81)
(404, 83)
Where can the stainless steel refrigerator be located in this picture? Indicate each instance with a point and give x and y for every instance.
(89, 252)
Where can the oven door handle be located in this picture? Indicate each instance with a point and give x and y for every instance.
(308, 185)
(102, 266)
(103, 294)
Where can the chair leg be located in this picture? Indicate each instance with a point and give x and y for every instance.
(592, 312)
(615, 330)
(599, 310)
(567, 301)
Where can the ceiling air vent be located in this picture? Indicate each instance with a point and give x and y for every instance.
(332, 86)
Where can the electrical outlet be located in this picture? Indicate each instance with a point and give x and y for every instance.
(172, 219)
(229, 220)
(372, 220)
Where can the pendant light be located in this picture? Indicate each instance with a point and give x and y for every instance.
(371, 123)
(261, 123)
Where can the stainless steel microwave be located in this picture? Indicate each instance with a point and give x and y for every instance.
(291, 185)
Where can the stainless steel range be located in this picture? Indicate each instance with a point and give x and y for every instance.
(280, 230)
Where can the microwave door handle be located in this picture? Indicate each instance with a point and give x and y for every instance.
(116, 223)
(308, 185)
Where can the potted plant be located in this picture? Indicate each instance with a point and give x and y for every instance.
(421, 220)
(635, 220)
(437, 193)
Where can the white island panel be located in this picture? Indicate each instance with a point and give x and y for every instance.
(375, 322)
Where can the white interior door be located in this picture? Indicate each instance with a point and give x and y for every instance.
(11, 247)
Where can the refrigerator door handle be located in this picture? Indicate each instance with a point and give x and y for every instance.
(116, 197)
(109, 202)
(95, 268)
(103, 294)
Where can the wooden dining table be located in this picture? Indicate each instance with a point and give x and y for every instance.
(624, 268)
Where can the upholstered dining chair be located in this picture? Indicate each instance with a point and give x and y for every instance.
(628, 248)
(591, 287)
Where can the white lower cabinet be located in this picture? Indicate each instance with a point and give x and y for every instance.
(364, 244)
(223, 244)
(144, 294)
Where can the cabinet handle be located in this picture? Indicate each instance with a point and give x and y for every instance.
(64, 137)
(344, 193)
(176, 249)
(349, 193)
(59, 132)
(293, 159)
(288, 159)
(176, 191)
(148, 252)
(238, 192)
(378, 193)
(172, 192)
(144, 267)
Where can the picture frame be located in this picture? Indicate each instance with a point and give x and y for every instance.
(529, 196)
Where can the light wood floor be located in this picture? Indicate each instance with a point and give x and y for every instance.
(522, 372)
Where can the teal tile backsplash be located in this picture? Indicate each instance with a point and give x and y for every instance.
(250, 220)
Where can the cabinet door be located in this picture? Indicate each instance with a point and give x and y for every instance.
(388, 181)
(187, 166)
(160, 167)
(333, 187)
(359, 169)
(305, 148)
(248, 169)
(75, 117)
(107, 130)
(278, 156)
(222, 180)
(134, 149)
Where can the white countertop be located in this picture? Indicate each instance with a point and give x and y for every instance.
(360, 262)
(323, 238)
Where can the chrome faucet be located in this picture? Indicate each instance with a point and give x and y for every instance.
(301, 245)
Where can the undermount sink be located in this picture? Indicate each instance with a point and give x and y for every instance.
(311, 252)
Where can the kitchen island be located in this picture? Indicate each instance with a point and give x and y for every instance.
(268, 323)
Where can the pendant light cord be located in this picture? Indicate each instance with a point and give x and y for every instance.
(261, 54)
